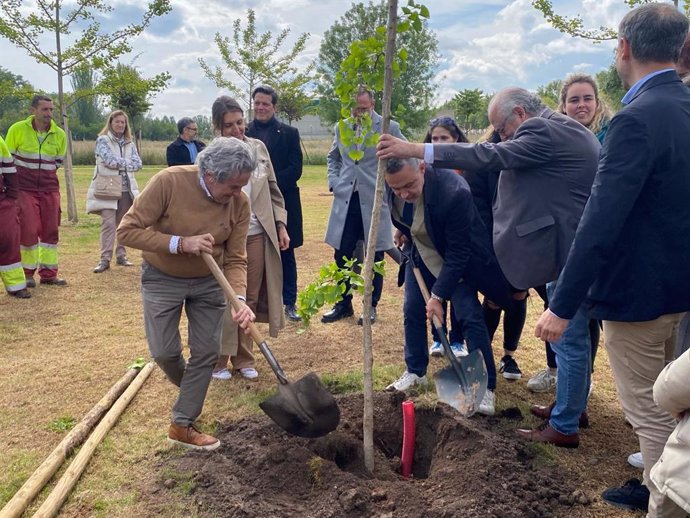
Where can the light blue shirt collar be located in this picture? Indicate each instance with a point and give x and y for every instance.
(636, 87)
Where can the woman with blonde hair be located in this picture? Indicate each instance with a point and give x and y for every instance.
(580, 100)
(116, 155)
(267, 236)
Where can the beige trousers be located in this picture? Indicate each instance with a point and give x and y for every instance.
(638, 351)
(243, 357)
(110, 219)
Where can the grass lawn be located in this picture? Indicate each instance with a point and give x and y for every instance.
(63, 349)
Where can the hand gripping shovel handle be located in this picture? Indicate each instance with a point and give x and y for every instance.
(439, 329)
(237, 306)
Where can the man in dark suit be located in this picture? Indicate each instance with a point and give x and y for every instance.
(629, 261)
(547, 163)
(437, 221)
(283, 145)
(184, 149)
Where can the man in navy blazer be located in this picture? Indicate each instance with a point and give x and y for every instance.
(283, 144)
(630, 260)
(437, 221)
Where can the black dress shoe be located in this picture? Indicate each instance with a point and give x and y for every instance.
(337, 313)
(30, 282)
(20, 294)
(372, 317)
(123, 261)
(633, 495)
(54, 282)
(102, 266)
(291, 313)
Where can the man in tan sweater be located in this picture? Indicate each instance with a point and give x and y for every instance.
(182, 212)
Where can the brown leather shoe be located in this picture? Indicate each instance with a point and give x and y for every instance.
(544, 412)
(190, 437)
(544, 433)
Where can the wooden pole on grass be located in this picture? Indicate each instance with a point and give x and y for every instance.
(368, 412)
(57, 497)
(40, 477)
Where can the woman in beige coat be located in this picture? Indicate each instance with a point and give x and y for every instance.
(267, 236)
(671, 473)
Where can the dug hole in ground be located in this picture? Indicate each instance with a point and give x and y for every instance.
(462, 467)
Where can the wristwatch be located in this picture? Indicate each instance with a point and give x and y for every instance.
(436, 297)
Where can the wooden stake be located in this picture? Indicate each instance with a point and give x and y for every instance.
(22, 498)
(61, 490)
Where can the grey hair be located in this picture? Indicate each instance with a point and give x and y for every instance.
(183, 123)
(508, 98)
(655, 32)
(225, 158)
(395, 165)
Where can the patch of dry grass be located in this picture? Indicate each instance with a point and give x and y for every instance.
(63, 349)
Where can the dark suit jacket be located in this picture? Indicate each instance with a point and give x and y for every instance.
(178, 154)
(547, 171)
(283, 145)
(632, 248)
(459, 236)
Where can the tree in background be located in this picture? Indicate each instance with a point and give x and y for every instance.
(127, 90)
(611, 87)
(413, 89)
(550, 93)
(15, 97)
(470, 109)
(575, 25)
(25, 27)
(84, 108)
(255, 59)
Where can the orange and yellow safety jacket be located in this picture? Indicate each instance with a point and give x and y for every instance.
(36, 159)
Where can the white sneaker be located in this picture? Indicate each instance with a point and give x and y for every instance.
(407, 381)
(487, 406)
(542, 381)
(459, 349)
(436, 350)
(249, 373)
(635, 460)
(223, 374)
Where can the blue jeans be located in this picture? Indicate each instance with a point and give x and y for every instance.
(573, 356)
(468, 313)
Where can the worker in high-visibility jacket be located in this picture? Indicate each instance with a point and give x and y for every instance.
(38, 146)
(11, 272)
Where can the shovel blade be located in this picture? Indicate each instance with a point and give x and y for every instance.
(304, 408)
(463, 395)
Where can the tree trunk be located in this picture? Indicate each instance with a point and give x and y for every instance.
(368, 413)
(67, 164)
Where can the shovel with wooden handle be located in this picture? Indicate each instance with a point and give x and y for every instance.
(304, 408)
(463, 383)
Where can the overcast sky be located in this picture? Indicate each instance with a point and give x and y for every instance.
(486, 44)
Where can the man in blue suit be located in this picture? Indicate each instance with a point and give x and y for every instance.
(436, 220)
(630, 259)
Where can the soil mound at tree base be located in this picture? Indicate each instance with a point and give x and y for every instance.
(462, 467)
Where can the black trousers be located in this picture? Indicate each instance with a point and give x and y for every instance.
(353, 231)
(287, 257)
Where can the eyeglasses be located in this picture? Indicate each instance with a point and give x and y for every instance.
(438, 121)
(194, 130)
(501, 130)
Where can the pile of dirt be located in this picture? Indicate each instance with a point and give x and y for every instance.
(462, 467)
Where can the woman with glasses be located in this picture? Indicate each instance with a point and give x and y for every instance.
(267, 236)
